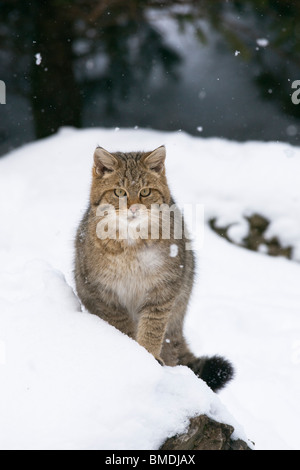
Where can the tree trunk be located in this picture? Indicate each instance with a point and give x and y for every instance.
(55, 94)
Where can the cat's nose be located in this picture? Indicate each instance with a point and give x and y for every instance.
(134, 209)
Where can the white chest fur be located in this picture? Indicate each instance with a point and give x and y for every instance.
(133, 274)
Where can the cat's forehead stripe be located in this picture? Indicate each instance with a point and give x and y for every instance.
(130, 156)
(132, 175)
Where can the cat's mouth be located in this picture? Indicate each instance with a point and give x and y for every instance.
(138, 217)
(131, 216)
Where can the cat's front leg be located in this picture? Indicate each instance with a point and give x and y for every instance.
(152, 326)
(113, 314)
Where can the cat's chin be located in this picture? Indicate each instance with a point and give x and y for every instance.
(131, 241)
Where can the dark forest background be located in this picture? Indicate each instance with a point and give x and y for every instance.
(210, 68)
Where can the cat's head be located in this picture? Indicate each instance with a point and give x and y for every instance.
(131, 183)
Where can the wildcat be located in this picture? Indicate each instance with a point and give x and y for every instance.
(139, 284)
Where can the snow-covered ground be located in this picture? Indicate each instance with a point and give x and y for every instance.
(69, 380)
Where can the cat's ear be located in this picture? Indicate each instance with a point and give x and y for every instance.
(156, 160)
(104, 162)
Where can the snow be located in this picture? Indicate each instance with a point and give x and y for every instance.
(262, 42)
(2, 353)
(71, 381)
(238, 231)
(38, 59)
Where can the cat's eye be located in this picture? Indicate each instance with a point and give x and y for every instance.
(120, 192)
(145, 192)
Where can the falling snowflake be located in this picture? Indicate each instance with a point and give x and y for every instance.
(38, 58)
(262, 42)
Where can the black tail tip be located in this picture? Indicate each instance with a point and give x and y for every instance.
(216, 371)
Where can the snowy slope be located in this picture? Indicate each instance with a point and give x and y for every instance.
(71, 381)
(68, 380)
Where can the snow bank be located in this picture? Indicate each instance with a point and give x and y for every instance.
(69, 380)
(236, 180)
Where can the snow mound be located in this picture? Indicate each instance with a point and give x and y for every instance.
(71, 381)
